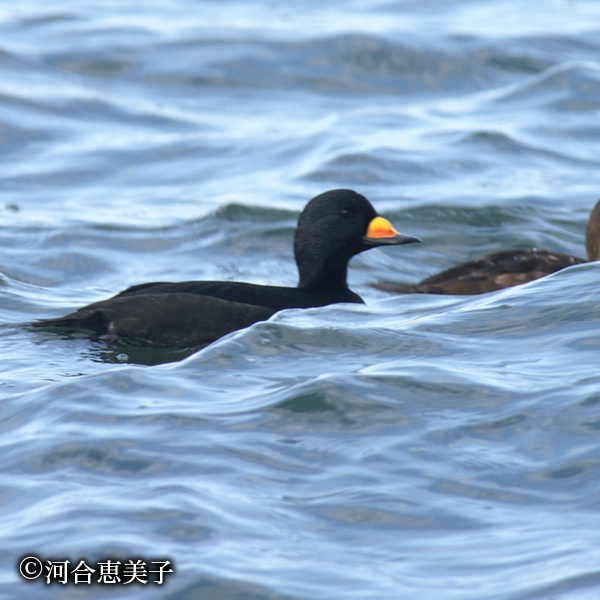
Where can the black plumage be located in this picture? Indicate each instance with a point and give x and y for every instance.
(334, 227)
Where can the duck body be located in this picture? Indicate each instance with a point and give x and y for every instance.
(334, 227)
(502, 269)
(174, 320)
(490, 273)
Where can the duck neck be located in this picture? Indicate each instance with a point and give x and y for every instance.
(592, 234)
(331, 277)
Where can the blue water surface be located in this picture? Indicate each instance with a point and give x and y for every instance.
(415, 448)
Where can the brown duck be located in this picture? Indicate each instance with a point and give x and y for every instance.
(502, 269)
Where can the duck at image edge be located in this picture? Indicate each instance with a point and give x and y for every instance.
(502, 269)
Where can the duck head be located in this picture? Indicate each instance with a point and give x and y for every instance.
(334, 227)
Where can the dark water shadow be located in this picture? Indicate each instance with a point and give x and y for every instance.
(120, 351)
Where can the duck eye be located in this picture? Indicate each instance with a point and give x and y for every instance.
(346, 213)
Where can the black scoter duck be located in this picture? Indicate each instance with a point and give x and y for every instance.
(333, 227)
(502, 269)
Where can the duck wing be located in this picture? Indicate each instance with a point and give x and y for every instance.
(171, 319)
